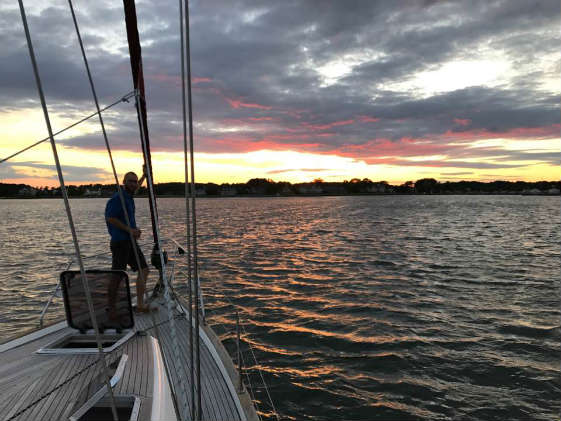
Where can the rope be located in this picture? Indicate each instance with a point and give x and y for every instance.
(67, 206)
(125, 98)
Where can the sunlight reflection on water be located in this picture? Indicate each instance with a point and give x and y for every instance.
(388, 307)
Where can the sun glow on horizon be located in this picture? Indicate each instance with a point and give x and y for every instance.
(291, 166)
(481, 159)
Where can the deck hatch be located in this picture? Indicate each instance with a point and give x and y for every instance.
(111, 298)
(98, 407)
(78, 343)
(127, 409)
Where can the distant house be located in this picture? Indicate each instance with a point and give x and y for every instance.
(333, 188)
(285, 190)
(92, 193)
(310, 188)
(378, 188)
(27, 191)
(228, 191)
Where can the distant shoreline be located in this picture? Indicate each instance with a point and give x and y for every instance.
(246, 196)
(262, 187)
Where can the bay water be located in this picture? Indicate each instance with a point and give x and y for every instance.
(355, 308)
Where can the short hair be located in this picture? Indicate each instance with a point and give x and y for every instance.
(127, 174)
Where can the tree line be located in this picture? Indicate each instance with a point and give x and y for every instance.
(267, 187)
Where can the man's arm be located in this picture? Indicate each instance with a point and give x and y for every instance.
(143, 175)
(117, 223)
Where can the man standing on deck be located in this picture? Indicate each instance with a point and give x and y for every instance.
(122, 248)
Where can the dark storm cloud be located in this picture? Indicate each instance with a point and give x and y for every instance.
(60, 63)
(257, 73)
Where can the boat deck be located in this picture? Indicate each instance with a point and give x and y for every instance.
(52, 387)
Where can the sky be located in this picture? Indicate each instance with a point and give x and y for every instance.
(292, 90)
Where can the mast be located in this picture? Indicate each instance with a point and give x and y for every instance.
(138, 81)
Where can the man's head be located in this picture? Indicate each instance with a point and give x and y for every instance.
(130, 182)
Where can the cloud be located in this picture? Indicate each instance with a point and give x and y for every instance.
(456, 173)
(314, 170)
(71, 173)
(312, 76)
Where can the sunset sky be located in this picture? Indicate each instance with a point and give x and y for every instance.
(293, 90)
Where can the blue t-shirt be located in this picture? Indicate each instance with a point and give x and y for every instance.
(114, 209)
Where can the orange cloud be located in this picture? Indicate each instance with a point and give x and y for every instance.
(196, 80)
(328, 126)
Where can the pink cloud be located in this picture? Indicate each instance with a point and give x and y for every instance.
(260, 118)
(366, 119)
(462, 122)
(196, 80)
(388, 149)
(161, 77)
(241, 145)
(234, 103)
(328, 126)
(288, 136)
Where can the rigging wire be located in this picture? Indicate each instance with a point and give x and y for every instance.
(140, 102)
(167, 287)
(261, 375)
(193, 212)
(250, 347)
(119, 189)
(124, 98)
(250, 390)
(187, 207)
(68, 212)
(94, 94)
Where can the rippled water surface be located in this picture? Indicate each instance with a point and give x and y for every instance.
(357, 308)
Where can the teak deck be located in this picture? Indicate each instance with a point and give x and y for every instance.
(52, 387)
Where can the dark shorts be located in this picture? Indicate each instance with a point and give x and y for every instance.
(123, 255)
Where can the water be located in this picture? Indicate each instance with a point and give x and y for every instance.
(357, 308)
